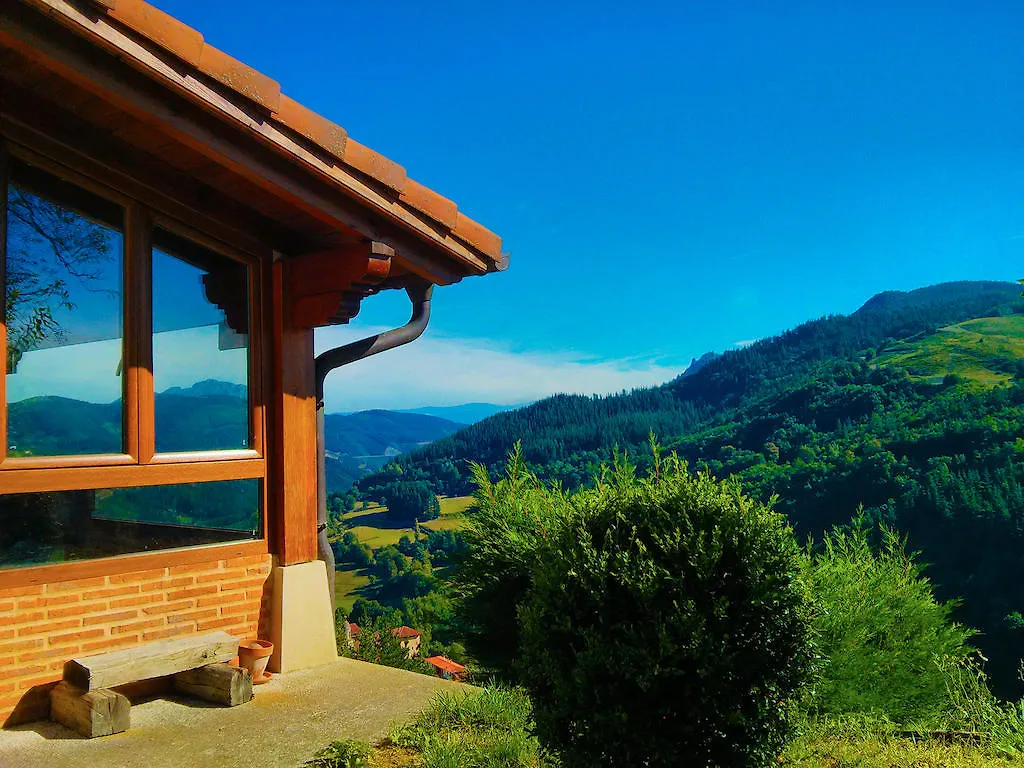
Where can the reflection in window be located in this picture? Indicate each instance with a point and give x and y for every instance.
(63, 309)
(200, 347)
(53, 527)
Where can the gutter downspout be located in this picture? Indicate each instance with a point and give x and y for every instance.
(419, 295)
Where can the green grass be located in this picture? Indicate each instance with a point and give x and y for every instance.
(385, 534)
(346, 587)
(978, 350)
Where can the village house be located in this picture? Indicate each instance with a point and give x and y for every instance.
(174, 229)
(409, 639)
(446, 668)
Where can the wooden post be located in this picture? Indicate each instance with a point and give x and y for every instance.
(93, 713)
(294, 454)
(219, 683)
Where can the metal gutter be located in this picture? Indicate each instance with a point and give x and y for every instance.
(419, 296)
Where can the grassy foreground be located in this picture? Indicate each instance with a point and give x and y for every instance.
(492, 728)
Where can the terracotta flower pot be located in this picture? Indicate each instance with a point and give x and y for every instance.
(253, 655)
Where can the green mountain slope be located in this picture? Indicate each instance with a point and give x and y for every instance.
(840, 414)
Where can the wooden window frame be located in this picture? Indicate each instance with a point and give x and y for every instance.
(139, 464)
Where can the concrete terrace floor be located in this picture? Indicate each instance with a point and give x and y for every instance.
(290, 718)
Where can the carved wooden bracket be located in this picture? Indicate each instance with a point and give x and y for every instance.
(326, 288)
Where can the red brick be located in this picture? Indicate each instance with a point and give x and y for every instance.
(21, 591)
(65, 652)
(82, 634)
(6, 606)
(254, 594)
(137, 576)
(75, 610)
(243, 584)
(31, 669)
(21, 618)
(194, 568)
(98, 594)
(424, 200)
(163, 584)
(318, 129)
(136, 626)
(183, 594)
(159, 634)
(261, 571)
(110, 618)
(219, 576)
(78, 585)
(6, 634)
(178, 618)
(121, 640)
(252, 84)
(216, 623)
(50, 626)
(164, 30)
(376, 166)
(240, 608)
(156, 610)
(20, 645)
(245, 560)
(125, 602)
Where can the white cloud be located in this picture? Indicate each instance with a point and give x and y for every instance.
(449, 371)
(744, 343)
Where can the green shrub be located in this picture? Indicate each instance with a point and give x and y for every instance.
(886, 642)
(660, 618)
(345, 753)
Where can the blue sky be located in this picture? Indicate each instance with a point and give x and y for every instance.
(670, 178)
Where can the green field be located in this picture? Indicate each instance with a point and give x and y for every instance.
(977, 350)
(375, 530)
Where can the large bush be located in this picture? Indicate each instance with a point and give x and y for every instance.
(886, 642)
(661, 619)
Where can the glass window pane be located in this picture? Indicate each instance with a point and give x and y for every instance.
(200, 347)
(63, 292)
(54, 527)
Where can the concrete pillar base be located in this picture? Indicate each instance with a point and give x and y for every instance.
(302, 623)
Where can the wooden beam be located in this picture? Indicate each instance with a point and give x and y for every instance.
(219, 683)
(294, 446)
(376, 214)
(90, 713)
(327, 288)
(166, 657)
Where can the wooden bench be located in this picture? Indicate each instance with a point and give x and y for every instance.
(84, 701)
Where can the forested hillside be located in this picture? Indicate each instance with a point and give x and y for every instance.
(912, 407)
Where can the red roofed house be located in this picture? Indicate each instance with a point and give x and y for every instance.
(409, 639)
(446, 668)
(174, 228)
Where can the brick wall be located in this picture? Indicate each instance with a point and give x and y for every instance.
(41, 627)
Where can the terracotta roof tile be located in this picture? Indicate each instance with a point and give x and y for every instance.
(376, 166)
(188, 44)
(241, 78)
(318, 129)
(445, 664)
(404, 633)
(478, 236)
(440, 209)
(164, 30)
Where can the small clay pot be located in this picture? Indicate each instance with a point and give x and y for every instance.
(253, 655)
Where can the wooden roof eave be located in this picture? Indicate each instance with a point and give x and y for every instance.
(417, 242)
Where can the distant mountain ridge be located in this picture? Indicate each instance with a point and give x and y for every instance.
(467, 413)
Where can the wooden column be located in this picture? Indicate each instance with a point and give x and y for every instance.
(293, 481)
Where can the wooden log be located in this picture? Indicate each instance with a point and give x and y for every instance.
(167, 657)
(219, 683)
(90, 713)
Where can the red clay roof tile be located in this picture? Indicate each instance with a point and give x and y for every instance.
(478, 236)
(319, 130)
(376, 166)
(241, 78)
(445, 664)
(440, 209)
(164, 30)
(188, 45)
(404, 633)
